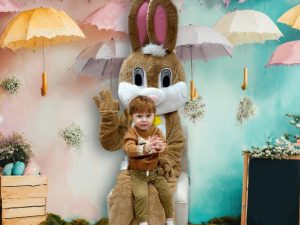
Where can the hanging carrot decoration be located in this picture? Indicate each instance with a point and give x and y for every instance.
(44, 87)
(193, 90)
(194, 109)
(245, 83)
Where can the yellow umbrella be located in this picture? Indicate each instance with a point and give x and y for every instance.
(40, 27)
(291, 17)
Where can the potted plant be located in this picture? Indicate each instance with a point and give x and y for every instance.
(14, 148)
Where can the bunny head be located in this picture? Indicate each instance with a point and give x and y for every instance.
(152, 69)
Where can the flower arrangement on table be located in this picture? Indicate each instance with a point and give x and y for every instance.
(295, 120)
(283, 147)
(16, 154)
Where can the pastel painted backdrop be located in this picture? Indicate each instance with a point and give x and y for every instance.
(80, 182)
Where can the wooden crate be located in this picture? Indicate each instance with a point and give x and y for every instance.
(23, 199)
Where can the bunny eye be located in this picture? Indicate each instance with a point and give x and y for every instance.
(165, 77)
(138, 76)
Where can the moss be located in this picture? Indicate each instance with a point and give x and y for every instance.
(226, 220)
(53, 219)
(103, 221)
(79, 222)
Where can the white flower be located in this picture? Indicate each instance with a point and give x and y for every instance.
(73, 136)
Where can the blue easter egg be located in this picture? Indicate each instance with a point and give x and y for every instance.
(8, 169)
(18, 168)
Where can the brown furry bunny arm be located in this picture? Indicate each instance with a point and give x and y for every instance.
(112, 130)
(112, 127)
(164, 164)
(175, 140)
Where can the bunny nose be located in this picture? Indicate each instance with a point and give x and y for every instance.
(153, 97)
(155, 94)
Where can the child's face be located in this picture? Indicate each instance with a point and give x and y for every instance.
(143, 121)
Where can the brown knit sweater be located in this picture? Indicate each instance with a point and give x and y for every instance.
(134, 141)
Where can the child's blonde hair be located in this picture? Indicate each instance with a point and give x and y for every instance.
(142, 104)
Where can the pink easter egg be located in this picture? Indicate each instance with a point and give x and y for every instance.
(32, 168)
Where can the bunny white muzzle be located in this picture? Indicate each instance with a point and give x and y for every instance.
(167, 99)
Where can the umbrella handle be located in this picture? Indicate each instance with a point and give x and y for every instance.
(245, 83)
(193, 90)
(44, 87)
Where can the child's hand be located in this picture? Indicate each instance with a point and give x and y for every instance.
(160, 147)
(154, 144)
(150, 145)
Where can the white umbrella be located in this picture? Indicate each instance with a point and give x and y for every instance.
(102, 60)
(199, 42)
(203, 42)
(247, 26)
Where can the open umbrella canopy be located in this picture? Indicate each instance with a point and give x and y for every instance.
(112, 16)
(248, 26)
(8, 6)
(286, 54)
(291, 17)
(106, 50)
(40, 27)
(103, 59)
(201, 42)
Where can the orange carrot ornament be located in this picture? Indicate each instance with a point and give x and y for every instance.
(44, 87)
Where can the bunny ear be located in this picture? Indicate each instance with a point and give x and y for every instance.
(137, 24)
(162, 23)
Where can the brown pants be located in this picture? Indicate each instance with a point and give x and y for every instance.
(139, 182)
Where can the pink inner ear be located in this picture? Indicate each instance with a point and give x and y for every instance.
(160, 24)
(142, 22)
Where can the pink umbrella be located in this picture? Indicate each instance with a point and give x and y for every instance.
(8, 6)
(112, 16)
(286, 54)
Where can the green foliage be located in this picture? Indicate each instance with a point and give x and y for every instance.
(222, 221)
(295, 120)
(53, 219)
(103, 221)
(14, 148)
(79, 222)
(281, 149)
